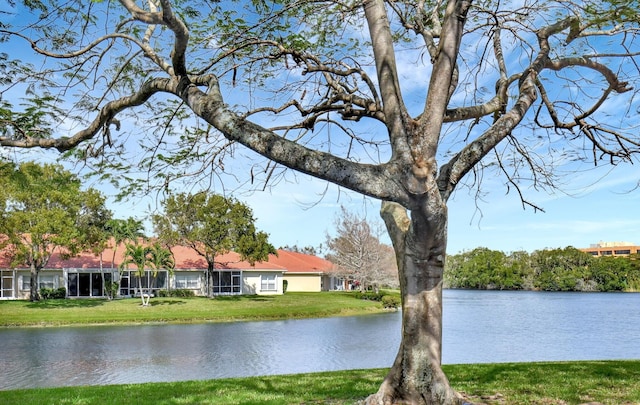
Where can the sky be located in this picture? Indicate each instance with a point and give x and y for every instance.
(597, 205)
(303, 214)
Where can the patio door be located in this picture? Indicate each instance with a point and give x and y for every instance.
(87, 283)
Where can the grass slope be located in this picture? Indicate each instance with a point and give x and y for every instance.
(183, 310)
(606, 382)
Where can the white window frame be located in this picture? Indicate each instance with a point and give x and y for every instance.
(47, 281)
(268, 282)
(187, 281)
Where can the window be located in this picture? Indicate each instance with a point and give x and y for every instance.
(268, 282)
(149, 282)
(188, 281)
(622, 252)
(26, 282)
(46, 281)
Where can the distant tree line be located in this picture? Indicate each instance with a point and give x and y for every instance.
(567, 269)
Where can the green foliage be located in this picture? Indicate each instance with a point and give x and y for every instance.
(212, 225)
(390, 301)
(111, 289)
(368, 295)
(53, 293)
(560, 269)
(567, 269)
(179, 293)
(44, 209)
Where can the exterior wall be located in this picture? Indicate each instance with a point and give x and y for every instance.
(51, 279)
(194, 280)
(332, 283)
(262, 282)
(304, 282)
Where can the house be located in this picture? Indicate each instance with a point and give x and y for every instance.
(307, 272)
(612, 249)
(85, 275)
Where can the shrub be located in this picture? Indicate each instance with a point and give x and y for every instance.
(369, 295)
(390, 301)
(176, 293)
(53, 293)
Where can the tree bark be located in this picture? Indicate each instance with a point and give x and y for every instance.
(416, 376)
(210, 268)
(33, 292)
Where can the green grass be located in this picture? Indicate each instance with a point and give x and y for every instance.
(183, 310)
(566, 383)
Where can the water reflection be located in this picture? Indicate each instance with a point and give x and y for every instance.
(478, 327)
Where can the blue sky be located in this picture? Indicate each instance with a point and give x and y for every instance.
(499, 222)
(303, 213)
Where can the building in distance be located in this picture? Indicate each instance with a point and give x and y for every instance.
(612, 249)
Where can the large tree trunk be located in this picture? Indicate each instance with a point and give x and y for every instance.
(416, 376)
(210, 268)
(33, 292)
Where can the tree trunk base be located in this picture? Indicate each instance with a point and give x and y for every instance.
(390, 397)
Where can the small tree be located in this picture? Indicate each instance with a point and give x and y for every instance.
(121, 231)
(358, 254)
(138, 255)
(160, 258)
(44, 211)
(212, 225)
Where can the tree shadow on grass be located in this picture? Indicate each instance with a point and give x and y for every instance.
(66, 303)
(157, 302)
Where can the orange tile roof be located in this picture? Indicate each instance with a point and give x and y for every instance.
(187, 259)
(296, 262)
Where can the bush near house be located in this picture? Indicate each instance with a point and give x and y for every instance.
(53, 293)
(176, 293)
(388, 301)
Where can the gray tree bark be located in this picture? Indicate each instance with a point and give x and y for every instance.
(416, 376)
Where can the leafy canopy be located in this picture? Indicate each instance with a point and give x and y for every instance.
(212, 225)
(44, 208)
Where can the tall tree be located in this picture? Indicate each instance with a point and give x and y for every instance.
(318, 87)
(44, 211)
(212, 225)
(358, 254)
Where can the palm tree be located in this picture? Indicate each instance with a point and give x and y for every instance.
(122, 230)
(139, 256)
(161, 258)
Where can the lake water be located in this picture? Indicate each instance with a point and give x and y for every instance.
(479, 327)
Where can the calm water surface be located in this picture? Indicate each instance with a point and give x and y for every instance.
(479, 327)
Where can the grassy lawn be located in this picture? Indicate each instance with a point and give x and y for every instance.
(183, 310)
(564, 383)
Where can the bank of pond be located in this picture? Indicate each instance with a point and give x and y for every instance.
(605, 382)
(567, 269)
